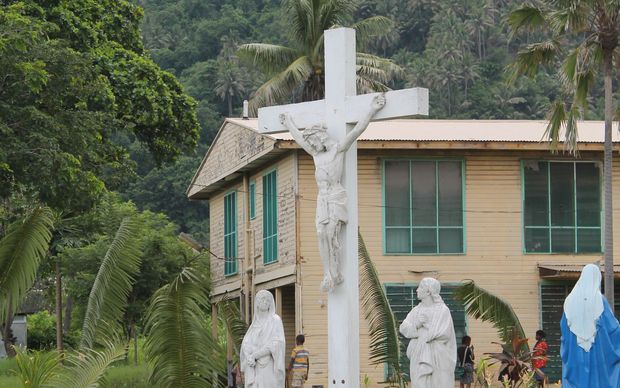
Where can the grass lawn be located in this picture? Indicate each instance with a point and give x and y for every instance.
(7, 379)
(118, 376)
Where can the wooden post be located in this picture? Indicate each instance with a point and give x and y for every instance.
(278, 291)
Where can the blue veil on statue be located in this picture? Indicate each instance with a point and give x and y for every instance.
(590, 347)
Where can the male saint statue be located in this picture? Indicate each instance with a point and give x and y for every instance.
(432, 345)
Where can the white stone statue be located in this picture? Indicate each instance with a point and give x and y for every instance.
(331, 207)
(432, 348)
(262, 349)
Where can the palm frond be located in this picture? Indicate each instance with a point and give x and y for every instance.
(368, 85)
(570, 17)
(36, 369)
(533, 56)
(270, 58)
(372, 28)
(484, 305)
(391, 68)
(334, 13)
(282, 85)
(526, 17)
(108, 297)
(384, 346)
(557, 120)
(234, 324)
(178, 346)
(571, 138)
(21, 250)
(301, 19)
(87, 368)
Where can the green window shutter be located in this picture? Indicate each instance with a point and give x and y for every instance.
(552, 302)
(561, 207)
(230, 234)
(402, 298)
(252, 200)
(423, 202)
(270, 218)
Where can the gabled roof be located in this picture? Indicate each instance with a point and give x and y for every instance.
(239, 147)
(526, 131)
(235, 149)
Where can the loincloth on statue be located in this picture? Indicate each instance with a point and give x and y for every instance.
(332, 206)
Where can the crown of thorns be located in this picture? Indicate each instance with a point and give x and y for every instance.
(314, 130)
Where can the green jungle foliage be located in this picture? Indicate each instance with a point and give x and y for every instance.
(460, 50)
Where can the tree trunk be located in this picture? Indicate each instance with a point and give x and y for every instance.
(7, 332)
(134, 334)
(607, 182)
(59, 337)
(230, 109)
(66, 325)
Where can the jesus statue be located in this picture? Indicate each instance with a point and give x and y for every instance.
(331, 208)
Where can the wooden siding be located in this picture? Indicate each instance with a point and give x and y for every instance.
(233, 148)
(285, 168)
(493, 255)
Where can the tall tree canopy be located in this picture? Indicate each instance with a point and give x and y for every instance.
(73, 76)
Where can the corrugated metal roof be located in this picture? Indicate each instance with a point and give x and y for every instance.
(568, 271)
(460, 130)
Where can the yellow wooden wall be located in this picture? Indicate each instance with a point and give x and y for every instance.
(494, 254)
(285, 170)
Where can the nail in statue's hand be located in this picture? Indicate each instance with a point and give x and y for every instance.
(378, 102)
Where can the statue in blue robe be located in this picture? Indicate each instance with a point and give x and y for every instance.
(590, 346)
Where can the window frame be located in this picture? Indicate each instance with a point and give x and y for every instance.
(550, 226)
(252, 199)
(436, 227)
(231, 267)
(275, 235)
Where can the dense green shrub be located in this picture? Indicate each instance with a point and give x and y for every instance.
(41, 331)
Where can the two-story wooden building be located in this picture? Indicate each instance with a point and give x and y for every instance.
(455, 200)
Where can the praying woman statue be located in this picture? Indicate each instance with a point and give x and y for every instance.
(331, 207)
(432, 345)
(262, 349)
(590, 344)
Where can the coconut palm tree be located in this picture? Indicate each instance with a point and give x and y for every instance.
(584, 34)
(297, 72)
(229, 84)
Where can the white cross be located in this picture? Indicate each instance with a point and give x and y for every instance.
(339, 111)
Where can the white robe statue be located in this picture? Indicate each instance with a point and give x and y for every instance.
(262, 349)
(432, 348)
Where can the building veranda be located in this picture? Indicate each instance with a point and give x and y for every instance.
(455, 200)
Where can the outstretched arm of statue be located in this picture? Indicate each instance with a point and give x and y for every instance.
(287, 121)
(377, 104)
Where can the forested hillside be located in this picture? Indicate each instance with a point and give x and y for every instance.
(460, 50)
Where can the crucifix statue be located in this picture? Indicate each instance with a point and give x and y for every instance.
(331, 207)
(327, 129)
